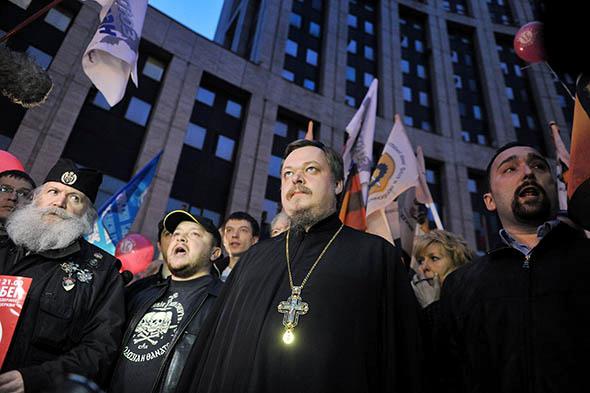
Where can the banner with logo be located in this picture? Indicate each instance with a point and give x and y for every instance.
(117, 214)
(13, 291)
(112, 54)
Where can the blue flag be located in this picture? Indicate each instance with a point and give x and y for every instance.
(117, 214)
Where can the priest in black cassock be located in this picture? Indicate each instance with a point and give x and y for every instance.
(320, 308)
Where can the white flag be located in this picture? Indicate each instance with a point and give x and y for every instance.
(105, 5)
(361, 132)
(396, 171)
(112, 54)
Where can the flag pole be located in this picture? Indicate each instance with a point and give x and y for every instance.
(309, 133)
(435, 215)
(29, 20)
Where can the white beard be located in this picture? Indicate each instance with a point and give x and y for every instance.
(27, 227)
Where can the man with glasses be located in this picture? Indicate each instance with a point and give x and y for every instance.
(15, 185)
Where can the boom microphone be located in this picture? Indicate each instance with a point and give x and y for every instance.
(22, 80)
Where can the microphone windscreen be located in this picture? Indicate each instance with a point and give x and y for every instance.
(22, 80)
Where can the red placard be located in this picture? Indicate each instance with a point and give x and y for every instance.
(13, 291)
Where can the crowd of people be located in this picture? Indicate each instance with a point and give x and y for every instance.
(317, 307)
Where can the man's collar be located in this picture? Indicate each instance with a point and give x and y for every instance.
(542, 231)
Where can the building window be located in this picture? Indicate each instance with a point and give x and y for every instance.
(225, 148)
(100, 101)
(309, 84)
(291, 48)
(419, 47)
(369, 53)
(515, 120)
(424, 99)
(288, 75)
(205, 96)
(154, 68)
(368, 78)
(314, 29)
(295, 20)
(369, 28)
(477, 112)
(352, 21)
(312, 57)
(195, 136)
(40, 57)
(274, 166)
(407, 94)
(351, 47)
(420, 71)
(405, 67)
(280, 129)
(233, 109)
(408, 120)
(138, 111)
(59, 18)
(350, 74)
(350, 101)
(271, 208)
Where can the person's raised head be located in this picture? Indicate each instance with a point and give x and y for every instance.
(522, 188)
(60, 211)
(439, 252)
(311, 178)
(279, 224)
(240, 232)
(195, 244)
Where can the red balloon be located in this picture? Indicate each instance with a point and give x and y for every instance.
(135, 252)
(8, 162)
(528, 42)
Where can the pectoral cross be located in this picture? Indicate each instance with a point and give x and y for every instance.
(291, 309)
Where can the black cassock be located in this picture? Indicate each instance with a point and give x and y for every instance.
(360, 334)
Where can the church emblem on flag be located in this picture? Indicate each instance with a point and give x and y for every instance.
(382, 174)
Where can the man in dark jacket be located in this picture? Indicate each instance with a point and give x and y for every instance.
(165, 318)
(73, 316)
(517, 318)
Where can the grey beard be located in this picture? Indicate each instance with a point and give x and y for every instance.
(303, 220)
(26, 227)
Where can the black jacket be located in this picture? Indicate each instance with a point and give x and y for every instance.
(60, 331)
(185, 336)
(518, 324)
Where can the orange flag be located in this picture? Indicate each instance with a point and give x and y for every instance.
(352, 212)
(578, 187)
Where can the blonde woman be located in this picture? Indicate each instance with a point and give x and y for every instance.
(438, 253)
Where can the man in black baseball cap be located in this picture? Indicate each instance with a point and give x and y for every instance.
(72, 321)
(177, 306)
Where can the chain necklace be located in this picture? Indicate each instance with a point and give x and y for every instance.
(294, 306)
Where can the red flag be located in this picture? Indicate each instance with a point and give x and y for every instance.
(578, 180)
(13, 291)
(353, 212)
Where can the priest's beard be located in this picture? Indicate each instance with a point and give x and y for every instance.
(302, 220)
(188, 270)
(535, 212)
(27, 227)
